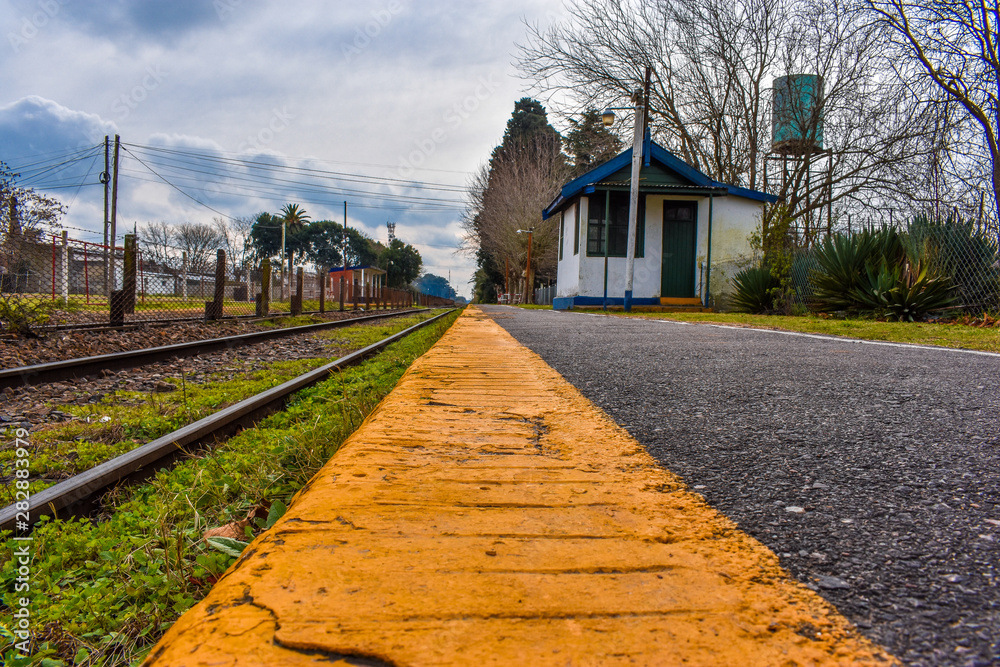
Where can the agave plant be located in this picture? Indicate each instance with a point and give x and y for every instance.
(755, 288)
(843, 261)
(882, 273)
(893, 292)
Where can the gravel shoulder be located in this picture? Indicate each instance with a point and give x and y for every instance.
(79, 423)
(873, 471)
(70, 344)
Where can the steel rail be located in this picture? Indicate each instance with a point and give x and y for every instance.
(74, 495)
(129, 324)
(55, 371)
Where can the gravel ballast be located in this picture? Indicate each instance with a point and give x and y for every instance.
(871, 470)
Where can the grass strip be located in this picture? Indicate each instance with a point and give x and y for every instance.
(986, 339)
(123, 420)
(960, 335)
(103, 592)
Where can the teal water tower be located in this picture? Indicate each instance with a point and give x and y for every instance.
(796, 117)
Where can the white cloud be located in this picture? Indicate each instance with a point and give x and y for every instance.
(394, 83)
(34, 125)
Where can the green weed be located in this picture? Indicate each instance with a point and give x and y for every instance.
(104, 591)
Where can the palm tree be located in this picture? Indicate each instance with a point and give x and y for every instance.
(294, 218)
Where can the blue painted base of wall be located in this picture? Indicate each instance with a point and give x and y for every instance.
(568, 302)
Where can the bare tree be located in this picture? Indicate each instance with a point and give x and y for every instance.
(511, 195)
(236, 241)
(24, 216)
(158, 243)
(714, 63)
(955, 48)
(200, 242)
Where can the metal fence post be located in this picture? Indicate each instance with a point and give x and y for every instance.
(341, 293)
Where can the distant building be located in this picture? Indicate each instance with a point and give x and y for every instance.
(362, 279)
(680, 209)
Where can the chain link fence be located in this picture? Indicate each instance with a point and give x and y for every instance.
(966, 252)
(544, 295)
(52, 280)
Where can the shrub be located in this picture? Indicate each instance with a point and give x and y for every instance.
(957, 249)
(755, 290)
(889, 293)
(843, 260)
(881, 273)
(21, 315)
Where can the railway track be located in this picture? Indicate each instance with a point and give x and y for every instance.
(75, 496)
(57, 371)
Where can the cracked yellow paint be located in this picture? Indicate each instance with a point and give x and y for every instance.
(488, 514)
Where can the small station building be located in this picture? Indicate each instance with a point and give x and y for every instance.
(692, 233)
(364, 279)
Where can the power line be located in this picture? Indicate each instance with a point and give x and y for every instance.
(185, 171)
(31, 177)
(282, 194)
(314, 159)
(268, 179)
(446, 187)
(50, 156)
(175, 187)
(301, 186)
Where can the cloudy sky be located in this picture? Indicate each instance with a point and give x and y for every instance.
(418, 92)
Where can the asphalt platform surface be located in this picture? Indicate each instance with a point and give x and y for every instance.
(873, 471)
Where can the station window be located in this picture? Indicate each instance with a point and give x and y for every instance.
(618, 229)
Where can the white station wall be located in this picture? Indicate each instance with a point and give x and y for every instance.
(733, 221)
(568, 269)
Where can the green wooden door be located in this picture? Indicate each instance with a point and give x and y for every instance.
(680, 226)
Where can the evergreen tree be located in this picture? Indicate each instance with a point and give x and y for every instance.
(524, 173)
(590, 143)
(401, 262)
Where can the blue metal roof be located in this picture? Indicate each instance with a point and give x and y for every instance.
(661, 155)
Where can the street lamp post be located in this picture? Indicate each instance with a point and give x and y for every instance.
(528, 291)
(641, 100)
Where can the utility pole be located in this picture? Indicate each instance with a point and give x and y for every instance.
(528, 277)
(344, 250)
(641, 99)
(114, 218)
(106, 181)
(528, 282)
(506, 277)
(344, 237)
